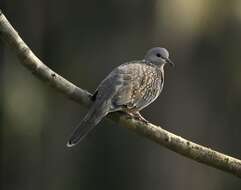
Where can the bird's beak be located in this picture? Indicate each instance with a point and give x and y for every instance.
(170, 62)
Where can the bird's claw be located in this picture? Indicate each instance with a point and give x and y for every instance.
(138, 116)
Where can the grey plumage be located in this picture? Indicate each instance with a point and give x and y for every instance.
(130, 87)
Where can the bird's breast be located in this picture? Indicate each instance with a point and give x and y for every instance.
(149, 87)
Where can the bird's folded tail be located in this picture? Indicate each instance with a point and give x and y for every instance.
(93, 117)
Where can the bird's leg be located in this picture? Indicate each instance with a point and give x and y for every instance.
(137, 116)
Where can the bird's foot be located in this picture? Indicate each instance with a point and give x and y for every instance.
(138, 116)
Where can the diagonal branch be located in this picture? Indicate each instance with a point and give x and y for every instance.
(155, 133)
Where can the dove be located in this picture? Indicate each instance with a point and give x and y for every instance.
(129, 88)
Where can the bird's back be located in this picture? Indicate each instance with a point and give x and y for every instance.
(131, 85)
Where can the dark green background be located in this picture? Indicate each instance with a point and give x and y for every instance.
(83, 41)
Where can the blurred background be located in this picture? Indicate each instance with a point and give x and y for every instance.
(83, 41)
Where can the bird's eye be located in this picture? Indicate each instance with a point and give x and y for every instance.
(158, 55)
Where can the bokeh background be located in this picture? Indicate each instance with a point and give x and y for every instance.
(83, 41)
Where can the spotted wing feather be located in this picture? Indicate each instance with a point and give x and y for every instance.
(127, 85)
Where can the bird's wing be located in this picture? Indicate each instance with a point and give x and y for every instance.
(122, 85)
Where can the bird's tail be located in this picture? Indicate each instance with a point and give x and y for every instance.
(92, 118)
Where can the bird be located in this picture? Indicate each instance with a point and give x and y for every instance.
(129, 88)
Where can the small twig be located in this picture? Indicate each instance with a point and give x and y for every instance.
(155, 133)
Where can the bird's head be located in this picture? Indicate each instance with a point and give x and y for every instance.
(158, 56)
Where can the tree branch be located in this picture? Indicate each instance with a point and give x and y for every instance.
(155, 133)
